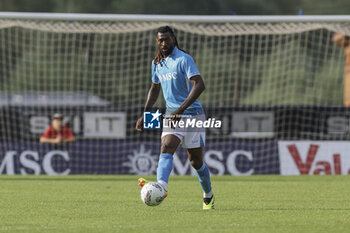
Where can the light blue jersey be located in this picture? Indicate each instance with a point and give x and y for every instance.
(174, 76)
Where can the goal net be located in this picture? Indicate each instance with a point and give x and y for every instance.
(269, 82)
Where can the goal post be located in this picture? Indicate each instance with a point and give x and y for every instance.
(269, 79)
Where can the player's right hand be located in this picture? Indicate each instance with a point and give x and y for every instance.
(139, 124)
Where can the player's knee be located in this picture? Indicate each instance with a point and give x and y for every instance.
(166, 148)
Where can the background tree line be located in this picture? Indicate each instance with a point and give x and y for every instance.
(298, 69)
(200, 7)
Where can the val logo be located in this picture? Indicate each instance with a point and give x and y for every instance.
(314, 157)
(151, 120)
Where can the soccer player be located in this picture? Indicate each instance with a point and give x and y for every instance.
(175, 71)
(57, 133)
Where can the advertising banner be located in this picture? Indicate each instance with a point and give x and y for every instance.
(232, 158)
(314, 157)
(238, 123)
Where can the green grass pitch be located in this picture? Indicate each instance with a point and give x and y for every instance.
(112, 204)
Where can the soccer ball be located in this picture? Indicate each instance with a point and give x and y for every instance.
(152, 194)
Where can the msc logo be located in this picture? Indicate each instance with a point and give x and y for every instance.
(167, 76)
(151, 120)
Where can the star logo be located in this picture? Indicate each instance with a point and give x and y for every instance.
(156, 115)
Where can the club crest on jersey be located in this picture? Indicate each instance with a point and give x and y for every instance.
(167, 76)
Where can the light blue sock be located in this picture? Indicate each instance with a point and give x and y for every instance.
(204, 180)
(165, 165)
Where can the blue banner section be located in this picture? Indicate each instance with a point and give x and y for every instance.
(129, 157)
